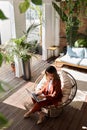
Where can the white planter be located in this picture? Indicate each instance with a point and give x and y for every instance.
(18, 67)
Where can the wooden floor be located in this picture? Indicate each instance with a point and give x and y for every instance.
(74, 116)
(13, 83)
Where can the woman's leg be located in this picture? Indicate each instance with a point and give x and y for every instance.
(41, 117)
(37, 107)
(27, 105)
(33, 101)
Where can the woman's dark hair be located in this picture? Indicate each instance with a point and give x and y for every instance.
(51, 70)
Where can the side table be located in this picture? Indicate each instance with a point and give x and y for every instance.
(52, 49)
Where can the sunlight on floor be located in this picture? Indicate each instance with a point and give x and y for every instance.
(79, 99)
(84, 127)
(80, 96)
(78, 75)
(18, 98)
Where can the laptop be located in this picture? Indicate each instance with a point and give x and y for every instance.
(37, 98)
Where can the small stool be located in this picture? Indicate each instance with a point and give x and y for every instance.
(52, 48)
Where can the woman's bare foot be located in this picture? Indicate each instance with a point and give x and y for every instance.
(41, 117)
(27, 114)
(26, 105)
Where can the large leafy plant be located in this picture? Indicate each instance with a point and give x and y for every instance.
(69, 11)
(21, 47)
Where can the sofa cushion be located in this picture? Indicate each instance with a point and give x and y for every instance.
(85, 50)
(83, 62)
(66, 85)
(71, 60)
(75, 52)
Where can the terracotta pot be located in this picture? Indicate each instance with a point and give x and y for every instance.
(13, 67)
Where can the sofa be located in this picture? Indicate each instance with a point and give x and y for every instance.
(76, 57)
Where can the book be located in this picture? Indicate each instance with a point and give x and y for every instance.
(36, 97)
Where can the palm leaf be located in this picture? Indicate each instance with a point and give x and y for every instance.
(31, 28)
(63, 16)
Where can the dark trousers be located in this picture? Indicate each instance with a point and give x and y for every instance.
(38, 105)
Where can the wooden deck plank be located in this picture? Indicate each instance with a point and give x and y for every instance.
(82, 121)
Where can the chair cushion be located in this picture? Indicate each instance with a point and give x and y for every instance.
(66, 85)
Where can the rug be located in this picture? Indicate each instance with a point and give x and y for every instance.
(18, 98)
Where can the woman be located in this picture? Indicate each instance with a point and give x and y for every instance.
(51, 92)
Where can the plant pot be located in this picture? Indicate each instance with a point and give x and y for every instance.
(26, 70)
(13, 67)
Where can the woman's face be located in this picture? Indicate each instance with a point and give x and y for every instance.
(49, 76)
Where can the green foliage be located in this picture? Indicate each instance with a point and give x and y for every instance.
(4, 123)
(31, 28)
(1, 88)
(60, 12)
(2, 15)
(1, 59)
(69, 13)
(37, 2)
(81, 43)
(26, 4)
(21, 47)
(72, 27)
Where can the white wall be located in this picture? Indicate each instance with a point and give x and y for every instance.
(50, 29)
(20, 19)
(7, 27)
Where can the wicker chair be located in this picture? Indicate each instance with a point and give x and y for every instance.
(53, 111)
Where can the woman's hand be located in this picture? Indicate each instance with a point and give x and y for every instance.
(42, 96)
(38, 92)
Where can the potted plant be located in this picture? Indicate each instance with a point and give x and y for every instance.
(69, 11)
(23, 49)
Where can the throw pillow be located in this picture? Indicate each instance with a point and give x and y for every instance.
(75, 52)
